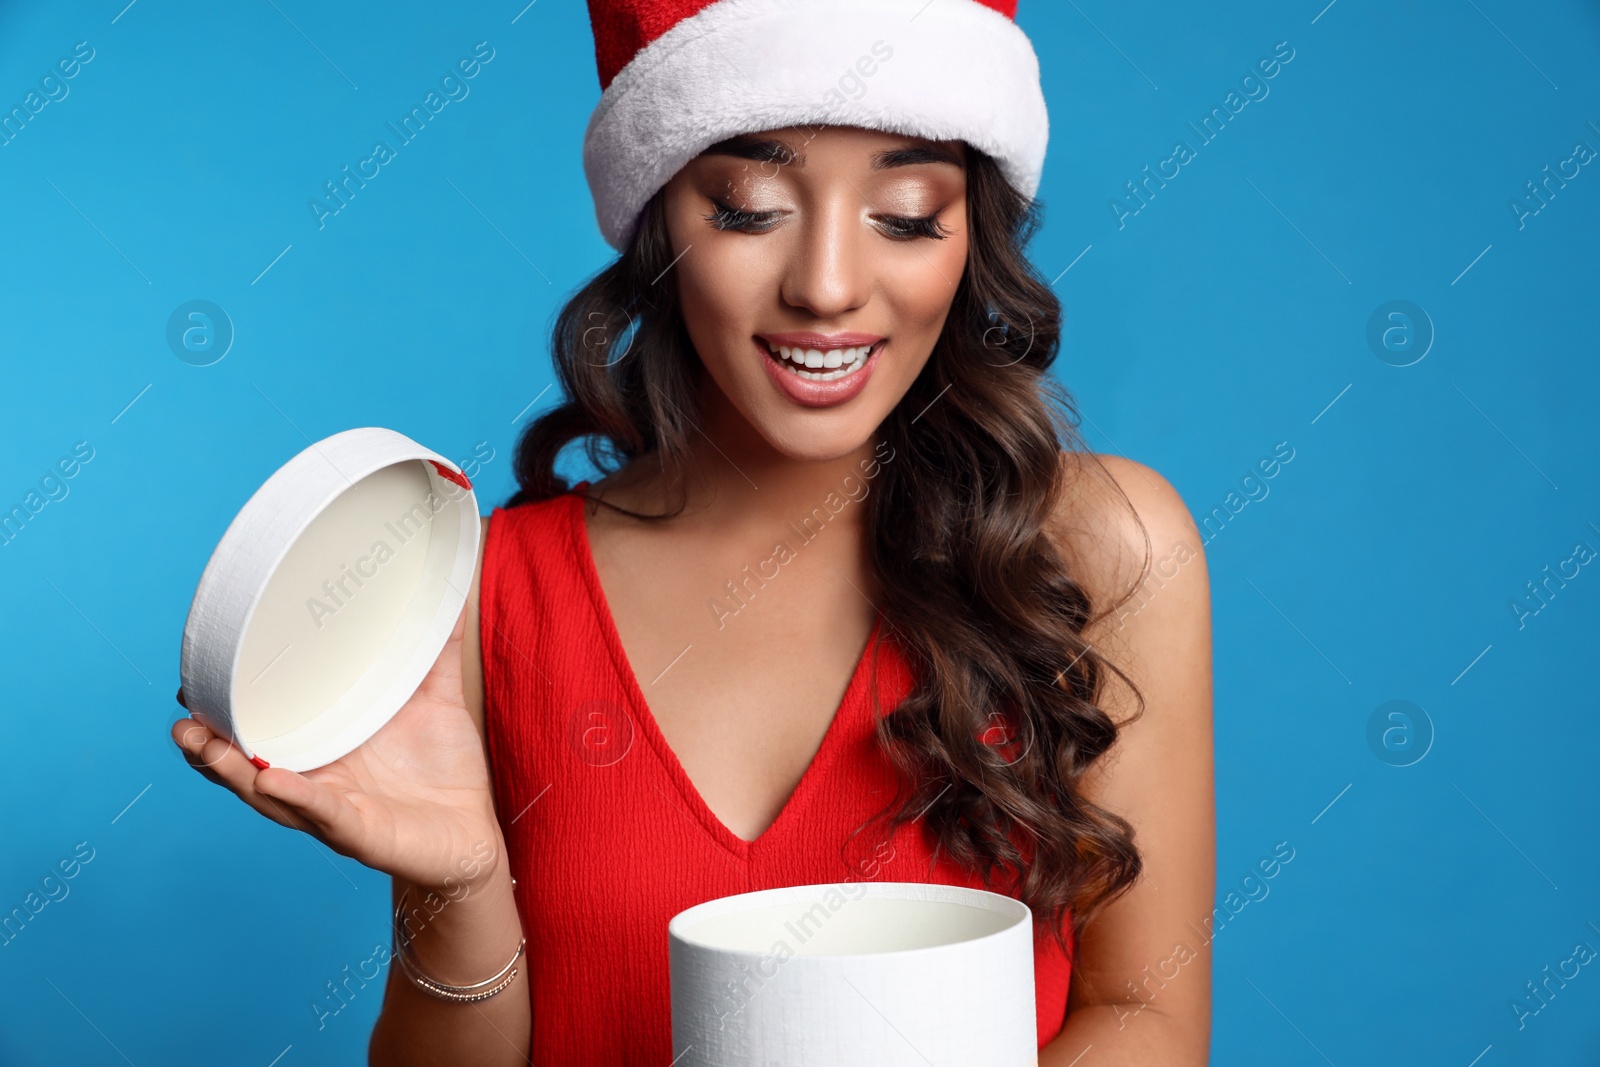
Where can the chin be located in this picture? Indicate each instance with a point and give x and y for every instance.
(793, 430)
(816, 438)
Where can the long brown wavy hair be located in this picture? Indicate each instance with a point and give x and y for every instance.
(973, 588)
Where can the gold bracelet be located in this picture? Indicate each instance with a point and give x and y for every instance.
(456, 993)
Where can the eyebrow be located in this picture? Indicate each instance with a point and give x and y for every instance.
(772, 150)
(760, 151)
(911, 157)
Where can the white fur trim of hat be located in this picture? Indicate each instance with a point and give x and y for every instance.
(940, 69)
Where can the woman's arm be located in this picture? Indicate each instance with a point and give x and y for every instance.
(416, 801)
(469, 939)
(1141, 994)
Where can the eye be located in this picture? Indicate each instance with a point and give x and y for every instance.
(908, 229)
(731, 218)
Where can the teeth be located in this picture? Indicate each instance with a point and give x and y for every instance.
(834, 363)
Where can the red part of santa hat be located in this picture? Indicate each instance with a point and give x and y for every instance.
(680, 75)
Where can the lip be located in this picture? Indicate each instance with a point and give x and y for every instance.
(819, 394)
(822, 342)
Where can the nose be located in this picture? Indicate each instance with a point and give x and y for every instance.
(827, 274)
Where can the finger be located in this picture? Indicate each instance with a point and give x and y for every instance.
(191, 737)
(200, 768)
(217, 756)
(182, 731)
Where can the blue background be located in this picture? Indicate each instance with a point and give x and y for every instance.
(1229, 314)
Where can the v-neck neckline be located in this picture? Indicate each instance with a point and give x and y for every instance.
(645, 719)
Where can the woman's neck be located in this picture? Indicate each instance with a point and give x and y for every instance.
(736, 480)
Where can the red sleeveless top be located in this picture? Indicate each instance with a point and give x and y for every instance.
(608, 838)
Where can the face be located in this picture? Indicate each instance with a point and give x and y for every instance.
(815, 270)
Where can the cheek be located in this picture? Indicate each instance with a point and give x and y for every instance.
(720, 279)
(718, 292)
(920, 282)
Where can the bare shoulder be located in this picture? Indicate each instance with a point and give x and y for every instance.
(1121, 526)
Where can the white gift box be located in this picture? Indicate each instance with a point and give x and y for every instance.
(329, 598)
(857, 974)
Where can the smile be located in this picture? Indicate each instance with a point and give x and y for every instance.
(820, 370)
(819, 365)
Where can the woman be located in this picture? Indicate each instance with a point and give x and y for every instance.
(843, 606)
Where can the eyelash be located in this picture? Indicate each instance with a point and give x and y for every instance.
(907, 228)
(899, 227)
(729, 218)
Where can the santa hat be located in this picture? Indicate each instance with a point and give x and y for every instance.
(678, 76)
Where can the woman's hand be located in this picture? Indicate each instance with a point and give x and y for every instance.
(414, 801)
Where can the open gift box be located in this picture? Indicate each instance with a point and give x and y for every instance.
(857, 974)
